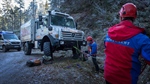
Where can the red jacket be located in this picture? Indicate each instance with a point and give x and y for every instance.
(124, 43)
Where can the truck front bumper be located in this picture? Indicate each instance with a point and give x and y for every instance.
(72, 43)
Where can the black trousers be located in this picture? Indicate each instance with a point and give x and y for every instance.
(94, 61)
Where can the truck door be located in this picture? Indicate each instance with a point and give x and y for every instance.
(37, 37)
(41, 29)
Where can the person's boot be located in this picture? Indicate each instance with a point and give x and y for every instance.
(47, 59)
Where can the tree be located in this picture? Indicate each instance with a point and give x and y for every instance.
(21, 6)
(5, 13)
(55, 4)
(6, 6)
(32, 9)
(46, 5)
(10, 16)
(14, 14)
(2, 23)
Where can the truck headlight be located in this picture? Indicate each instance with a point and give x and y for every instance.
(61, 42)
(84, 43)
(56, 35)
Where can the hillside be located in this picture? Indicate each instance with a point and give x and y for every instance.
(96, 16)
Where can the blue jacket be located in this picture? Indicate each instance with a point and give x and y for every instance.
(93, 47)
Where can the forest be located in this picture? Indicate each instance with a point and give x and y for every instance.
(89, 14)
(94, 17)
(13, 12)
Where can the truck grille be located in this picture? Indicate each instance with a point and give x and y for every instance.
(15, 42)
(71, 36)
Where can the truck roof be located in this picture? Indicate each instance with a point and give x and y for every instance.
(53, 12)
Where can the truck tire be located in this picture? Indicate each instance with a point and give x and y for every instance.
(4, 49)
(47, 49)
(27, 49)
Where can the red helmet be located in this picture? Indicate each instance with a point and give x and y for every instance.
(128, 10)
(89, 38)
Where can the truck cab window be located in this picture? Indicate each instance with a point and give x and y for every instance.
(57, 20)
(69, 23)
(42, 23)
(62, 21)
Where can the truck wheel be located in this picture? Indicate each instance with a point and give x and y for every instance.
(76, 52)
(47, 49)
(4, 49)
(27, 49)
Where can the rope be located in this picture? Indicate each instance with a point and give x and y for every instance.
(82, 52)
(78, 47)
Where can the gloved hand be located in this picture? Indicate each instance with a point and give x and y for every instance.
(88, 55)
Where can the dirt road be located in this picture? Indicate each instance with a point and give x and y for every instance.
(64, 70)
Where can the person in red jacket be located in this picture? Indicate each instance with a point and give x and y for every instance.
(124, 44)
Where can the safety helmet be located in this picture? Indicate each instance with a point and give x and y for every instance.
(128, 10)
(89, 38)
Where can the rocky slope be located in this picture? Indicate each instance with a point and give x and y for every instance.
(96, 16)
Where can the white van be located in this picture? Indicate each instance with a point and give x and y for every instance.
(9, 40)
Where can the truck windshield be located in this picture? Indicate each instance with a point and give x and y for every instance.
(62, 21)
(10, 36)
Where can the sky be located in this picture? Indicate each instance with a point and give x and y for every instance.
(27, 2)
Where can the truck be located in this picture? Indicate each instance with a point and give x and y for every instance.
(9, 40)
(52, 32)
